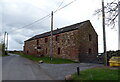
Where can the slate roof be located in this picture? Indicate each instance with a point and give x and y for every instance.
(60, 30)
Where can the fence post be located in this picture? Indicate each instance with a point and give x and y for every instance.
(78, 72)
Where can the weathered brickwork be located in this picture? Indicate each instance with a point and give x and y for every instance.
(88, 43)
(73, 44)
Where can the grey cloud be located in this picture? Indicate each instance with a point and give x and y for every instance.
(20, 16)
(17, 14)
(18, 38)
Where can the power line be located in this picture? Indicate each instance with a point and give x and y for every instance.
(60, 4)
(42, 17)
(58, 9)
(65, 6)
(32, 22)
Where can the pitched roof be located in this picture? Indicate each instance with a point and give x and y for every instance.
(60, 30)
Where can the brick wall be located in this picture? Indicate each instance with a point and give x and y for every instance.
(75, 45)
(63, 47)
(88, 43)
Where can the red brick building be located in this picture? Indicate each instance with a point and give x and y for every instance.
(77, 42)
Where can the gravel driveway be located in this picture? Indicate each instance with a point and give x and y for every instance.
(59, 71)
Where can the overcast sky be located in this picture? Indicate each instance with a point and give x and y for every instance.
(15, 14)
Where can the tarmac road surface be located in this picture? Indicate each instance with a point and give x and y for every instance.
(15, 67)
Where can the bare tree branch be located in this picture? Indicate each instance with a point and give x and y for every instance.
(111, 13)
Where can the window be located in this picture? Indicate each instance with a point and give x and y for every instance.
(37, 42)
(46, 40)
(90, 37)
(90, 51)
(58, 51)
(27, 52)
(38, 47)
(46, 50)
(57, 38)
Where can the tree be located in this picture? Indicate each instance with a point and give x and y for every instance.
(3, 49)
(0, 48)
(111, 11)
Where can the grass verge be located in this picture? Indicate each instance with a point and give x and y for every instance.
(47, 59)
(3, 55)
(97, 74)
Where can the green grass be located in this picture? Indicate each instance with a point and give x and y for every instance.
(97, 74)
(3, 55)
(47, 59)
(0, 47)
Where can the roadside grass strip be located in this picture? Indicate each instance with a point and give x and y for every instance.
(97, 74)
(47, 59)
(3, 55)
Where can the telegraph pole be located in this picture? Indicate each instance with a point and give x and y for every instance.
(3, 45)
(4, 37)
(118, 25)
(104, 34)
(51, 41)
(7, 44)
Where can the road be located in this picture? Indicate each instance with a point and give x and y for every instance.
(0, 68)
(0, 52)
(59, 71)
(15, 67)
(0, 65)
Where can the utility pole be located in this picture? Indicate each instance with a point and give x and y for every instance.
(51, 41)
(118, 25)
(4, 37)
(7, 44)
(3, 45)
(104, 34)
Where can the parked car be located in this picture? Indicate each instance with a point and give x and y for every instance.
(114, 61)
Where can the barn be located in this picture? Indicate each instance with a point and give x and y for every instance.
(76, 42)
